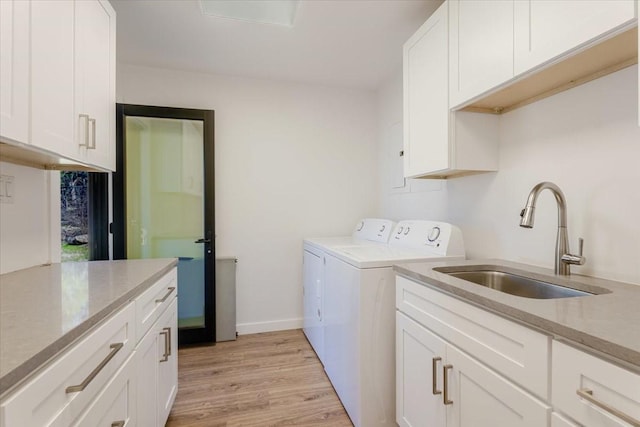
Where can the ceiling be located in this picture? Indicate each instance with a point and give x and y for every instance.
(346, 43)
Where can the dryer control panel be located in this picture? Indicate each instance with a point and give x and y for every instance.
(374, 229)
(432, 237)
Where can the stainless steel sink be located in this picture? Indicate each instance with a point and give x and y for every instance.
(516, 285)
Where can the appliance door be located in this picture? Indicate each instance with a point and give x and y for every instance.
(313, 290)
(342, 330)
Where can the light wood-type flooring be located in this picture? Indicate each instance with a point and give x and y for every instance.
(269, 379)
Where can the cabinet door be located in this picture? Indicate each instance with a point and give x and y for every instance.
(426, 97)
(546, 29)
(14, 70)
(168, 361)
(482, 398)
(115, 405)
(419, 354)
(481, 47)
(95, 79)
(53, 120)
(146, 355)
(312, 291)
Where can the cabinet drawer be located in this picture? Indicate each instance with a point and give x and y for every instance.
(154, 301)
(115, 405)
(519, 353)
(610, 386)
(49, 400)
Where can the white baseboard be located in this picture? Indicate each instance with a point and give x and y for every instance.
(271, 326)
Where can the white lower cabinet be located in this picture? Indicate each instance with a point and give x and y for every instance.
(458, 365)
(419, 363)
(64, 390)
(168, 361)
(439, 385)
(110, 377)
(157, 367)
(594, 392)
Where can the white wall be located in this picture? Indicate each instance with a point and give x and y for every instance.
(587, 141)
(292, 161)
(418, 199)
(30, 226)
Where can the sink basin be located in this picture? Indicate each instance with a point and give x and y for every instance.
(515, 284)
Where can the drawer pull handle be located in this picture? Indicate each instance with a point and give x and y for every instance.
(165, 333)
(120, 423)
(115, 348)
(434, 375)
(587, 395)
(164, 298)
(445, 369)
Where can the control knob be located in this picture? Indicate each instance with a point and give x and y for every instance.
(434, 234)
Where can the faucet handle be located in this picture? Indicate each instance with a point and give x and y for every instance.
(575, 259)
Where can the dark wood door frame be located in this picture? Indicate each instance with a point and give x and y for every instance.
(118, 229)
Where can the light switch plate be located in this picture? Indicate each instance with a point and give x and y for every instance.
(7, 190)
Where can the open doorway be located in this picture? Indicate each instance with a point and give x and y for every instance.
(84, 216)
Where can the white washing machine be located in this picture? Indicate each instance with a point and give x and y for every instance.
(359, 314)
(367, 232)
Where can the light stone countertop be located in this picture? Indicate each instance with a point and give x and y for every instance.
(608, 324)
(44, 309)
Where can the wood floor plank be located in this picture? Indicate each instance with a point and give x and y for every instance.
(269, 379)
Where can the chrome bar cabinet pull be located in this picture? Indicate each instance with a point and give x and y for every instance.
(587, 395)
(164, 298)
(86, 130)
(445, 370)
(434, 375)
(115, 348)
(165, 355)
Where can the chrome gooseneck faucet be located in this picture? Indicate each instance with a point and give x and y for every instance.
(563, 259)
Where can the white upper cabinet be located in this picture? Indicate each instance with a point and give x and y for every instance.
(481, 47)
(438, 143)
(95, 79)
(508, 53)
(426, 100)
(14, 70)
(546, 29)
(58, 82)
(52, 77)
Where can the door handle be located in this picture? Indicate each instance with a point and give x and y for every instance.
(203, 241)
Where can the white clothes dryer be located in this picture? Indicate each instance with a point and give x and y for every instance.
(367, 232)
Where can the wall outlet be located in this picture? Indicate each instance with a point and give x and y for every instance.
(6, 188)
